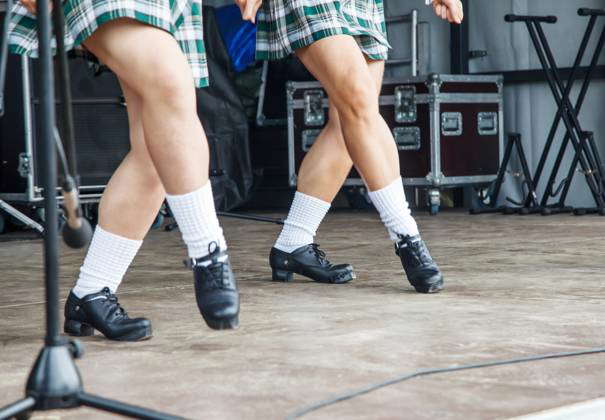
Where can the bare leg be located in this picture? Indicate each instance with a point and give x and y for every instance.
(372, 149)
(134, 193)
(155, 73)
(326, 166)
(149, 61)
(352, 91)
(322, 173)
(129, 204)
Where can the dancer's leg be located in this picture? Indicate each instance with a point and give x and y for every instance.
(149, 61)
(322, 173)
(129, 205)
(372, 148)
(325, 168)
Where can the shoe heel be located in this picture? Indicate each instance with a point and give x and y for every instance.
(282, 275)
(78, 329)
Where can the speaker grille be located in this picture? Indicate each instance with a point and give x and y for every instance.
(100, 123)
(101, 134)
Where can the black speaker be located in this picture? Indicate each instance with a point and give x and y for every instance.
(100, 127)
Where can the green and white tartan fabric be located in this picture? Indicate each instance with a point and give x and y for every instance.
(286, 25)
(181, 18)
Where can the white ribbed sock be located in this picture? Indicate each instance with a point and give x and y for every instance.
(106, 262)
(394, 210)
(306, 213)
(196, 216)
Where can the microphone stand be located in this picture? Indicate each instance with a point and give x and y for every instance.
(4, 54)
(54, 381)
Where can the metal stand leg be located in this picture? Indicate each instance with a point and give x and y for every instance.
(18, 409)
(499, 180)
(514, 141)
(570, 118)
(21, 217)
(579, 103)
(584, 154)
(578, 107)
(117, 407)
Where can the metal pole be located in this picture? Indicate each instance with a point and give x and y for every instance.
(46, 120)
(414, 42)
(4, 53)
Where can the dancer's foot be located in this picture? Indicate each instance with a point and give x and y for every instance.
(311, 262)
(101, 311)
(421, 270)
(215, 289)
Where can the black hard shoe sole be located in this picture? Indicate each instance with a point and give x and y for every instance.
(222, 324)
(428, 288)
(286, 276)
(81, 329)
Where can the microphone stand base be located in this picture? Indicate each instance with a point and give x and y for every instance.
(55, 383)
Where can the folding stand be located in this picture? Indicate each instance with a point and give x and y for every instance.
(584, 153)
(514, 141)
(54, 381)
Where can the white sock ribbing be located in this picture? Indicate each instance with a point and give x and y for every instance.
(306, 213)
(196, 216)
(394, 210)
(106, 262)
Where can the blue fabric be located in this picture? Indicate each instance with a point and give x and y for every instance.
(238, 35)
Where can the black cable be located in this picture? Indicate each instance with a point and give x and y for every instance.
(250, 217)
(427, 372)
(61, 153)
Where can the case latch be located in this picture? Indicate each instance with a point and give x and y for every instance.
(487, 123)
(25, 167)
(405, 104)
(308, 138)
(451, 123)
(407, 138)
(314, 109)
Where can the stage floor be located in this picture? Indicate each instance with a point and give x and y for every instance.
(515, 286)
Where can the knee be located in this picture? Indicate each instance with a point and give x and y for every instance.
(357, 99)
(163, 86)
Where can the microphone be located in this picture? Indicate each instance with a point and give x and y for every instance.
(76, 231)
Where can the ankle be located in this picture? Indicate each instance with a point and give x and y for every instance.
(289, 247)
(81, 291)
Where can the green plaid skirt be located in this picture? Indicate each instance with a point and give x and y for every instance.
(181, 18)
(286, 25)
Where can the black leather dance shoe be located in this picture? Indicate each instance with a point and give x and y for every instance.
(308, 261)
(421, 270)
(215, 289)
(102, 312)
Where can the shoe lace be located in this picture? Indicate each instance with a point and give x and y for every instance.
(319, 254)
(420, 252)
(113, 300)
(413, 251)
(213, 275)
